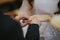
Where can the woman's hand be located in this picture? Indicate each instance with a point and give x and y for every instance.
(35, 20)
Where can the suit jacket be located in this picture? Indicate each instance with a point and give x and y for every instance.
(33, 32)
(10, 29)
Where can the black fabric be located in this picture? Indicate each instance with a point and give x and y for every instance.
(10, 29)
(58, 5)
(58, 12)
(33, 32)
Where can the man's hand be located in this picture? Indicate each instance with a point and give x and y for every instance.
(27, 22)
(19, 17)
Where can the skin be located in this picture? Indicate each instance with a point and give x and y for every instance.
(17, 17)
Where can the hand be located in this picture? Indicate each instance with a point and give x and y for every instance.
(21, 16)
(27, 22)
(36, 21)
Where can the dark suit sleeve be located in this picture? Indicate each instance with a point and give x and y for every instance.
(10, 29)
(33, 32)
(17, 32)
